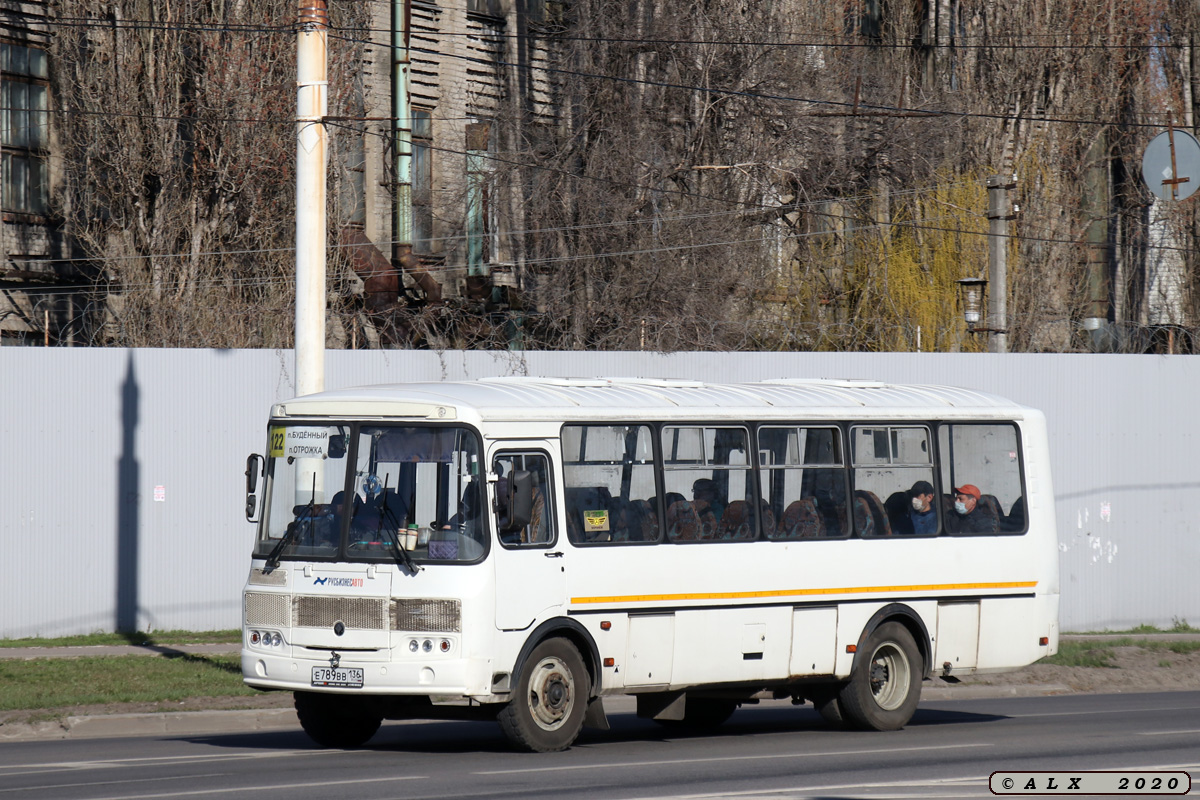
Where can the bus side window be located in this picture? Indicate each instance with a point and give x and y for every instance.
(893, 466)
(610, 485)
(803, 482)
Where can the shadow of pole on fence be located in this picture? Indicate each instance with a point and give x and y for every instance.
(128, 506)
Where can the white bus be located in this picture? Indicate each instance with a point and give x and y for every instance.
(521, 548)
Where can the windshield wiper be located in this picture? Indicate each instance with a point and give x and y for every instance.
(290, 535)
(397, 548)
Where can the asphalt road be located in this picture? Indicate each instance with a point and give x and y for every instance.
(771, 752)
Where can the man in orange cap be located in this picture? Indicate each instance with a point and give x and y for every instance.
(967, 517)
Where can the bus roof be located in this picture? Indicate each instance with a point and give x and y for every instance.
(529, 398)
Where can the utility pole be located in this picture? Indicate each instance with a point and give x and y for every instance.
(312, 104)
(999, 213)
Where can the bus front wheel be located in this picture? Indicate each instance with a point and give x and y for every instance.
(885, 686)
(333, 720)
(547, 709)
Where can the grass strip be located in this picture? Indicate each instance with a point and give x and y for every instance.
(1100, 653)
(1180, 626)
(60, 682)
(141, 639)
(1082, 654)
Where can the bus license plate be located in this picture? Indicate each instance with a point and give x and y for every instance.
(350, 678)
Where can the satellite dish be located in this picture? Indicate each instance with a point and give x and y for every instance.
(1172, 175)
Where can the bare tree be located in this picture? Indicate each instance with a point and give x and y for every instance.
(177, 143)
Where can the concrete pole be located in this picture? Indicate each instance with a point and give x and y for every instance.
(999, 213)
(312, 104)
(402, 104)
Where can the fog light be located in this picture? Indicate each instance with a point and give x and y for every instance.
(445, 645)
(427, 646)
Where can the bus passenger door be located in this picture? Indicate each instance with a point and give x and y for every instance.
(530, 568)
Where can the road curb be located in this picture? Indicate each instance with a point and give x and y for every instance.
(168, 723)
(987, 691)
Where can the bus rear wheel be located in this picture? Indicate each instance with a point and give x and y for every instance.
(546, 711)
(333, 720)
(885, 687)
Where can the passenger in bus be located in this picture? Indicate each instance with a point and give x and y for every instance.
(923, 514)
(708, 507)
(633, 522)
(707, 500)
(870, 517)
(537, 530)
(968, 517)
(329, 528)
(736, 523)
(683, 524)
(800, 520)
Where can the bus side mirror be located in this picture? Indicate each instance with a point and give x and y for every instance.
(254, 466)
(519, 500)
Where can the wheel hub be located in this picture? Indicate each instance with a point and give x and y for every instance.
(551, 693)
(889, 676)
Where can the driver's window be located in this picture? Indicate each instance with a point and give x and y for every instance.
(540, 530)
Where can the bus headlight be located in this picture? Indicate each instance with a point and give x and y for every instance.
(413, 646)
(265, 639)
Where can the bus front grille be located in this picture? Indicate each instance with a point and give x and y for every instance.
(426, 616)
(263, 610)
(269, 610)
(356, 613)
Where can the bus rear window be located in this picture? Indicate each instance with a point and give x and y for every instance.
(986, 458)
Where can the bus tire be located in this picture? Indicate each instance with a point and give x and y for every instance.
(333, 720)
(885, 687)
(546, 711)
(702, 713)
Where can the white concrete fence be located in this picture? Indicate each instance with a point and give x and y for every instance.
(121, 477)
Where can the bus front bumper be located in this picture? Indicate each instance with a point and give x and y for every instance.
(467, 677)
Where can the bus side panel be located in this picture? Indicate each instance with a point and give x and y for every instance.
(814, 641)
(731, 645)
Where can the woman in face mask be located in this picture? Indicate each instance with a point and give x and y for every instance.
(923, 516)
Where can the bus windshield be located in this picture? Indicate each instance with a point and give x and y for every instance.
(373, 492)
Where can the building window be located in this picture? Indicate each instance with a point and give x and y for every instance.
(422, 180)
(25, 128)
(489, 7)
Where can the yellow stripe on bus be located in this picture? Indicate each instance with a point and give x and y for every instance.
(929, 587)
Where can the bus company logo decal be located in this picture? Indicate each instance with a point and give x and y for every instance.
(332, 582)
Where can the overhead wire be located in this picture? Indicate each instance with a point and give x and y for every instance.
(856, 107)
